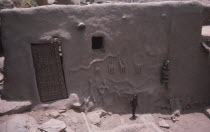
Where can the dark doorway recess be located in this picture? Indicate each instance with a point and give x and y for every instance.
(97, 43)
(49, 71)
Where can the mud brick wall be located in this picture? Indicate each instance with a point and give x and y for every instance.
(136, 37)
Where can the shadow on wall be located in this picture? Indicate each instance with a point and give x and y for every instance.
(1, 48)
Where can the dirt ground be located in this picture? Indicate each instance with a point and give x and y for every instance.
(190, 121)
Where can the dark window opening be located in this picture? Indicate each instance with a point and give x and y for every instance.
(97, 43)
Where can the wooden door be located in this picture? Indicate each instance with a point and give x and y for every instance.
(49, 71)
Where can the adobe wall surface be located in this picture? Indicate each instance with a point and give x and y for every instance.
(139, 35)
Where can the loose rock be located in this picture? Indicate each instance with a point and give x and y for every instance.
(175, 114)
(207, 111)
(104, 113)
(62, 111)
(64, 114)
(54, 114)
(53, 125)
(76, 106)
(163, 124)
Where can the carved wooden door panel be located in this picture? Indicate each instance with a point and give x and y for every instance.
(49, 72)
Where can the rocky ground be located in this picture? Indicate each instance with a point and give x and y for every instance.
(68, 115)
(64, 116)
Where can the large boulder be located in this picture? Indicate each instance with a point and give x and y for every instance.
(14, 107)
(19, 123)
(94, 118)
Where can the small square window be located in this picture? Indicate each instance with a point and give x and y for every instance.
(97, 43)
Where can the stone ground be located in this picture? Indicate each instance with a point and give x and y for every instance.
(195, 120)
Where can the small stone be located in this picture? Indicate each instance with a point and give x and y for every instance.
(174, 119)
(163, 124)
(54, 114)
(62, 111)
(81, 26)
(64, 114)
(207, 111)
(76, 106)
(175, 114)
(103, 113)
(53, 125)
(73, 98)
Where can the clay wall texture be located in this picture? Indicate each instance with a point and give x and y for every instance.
(139, 35)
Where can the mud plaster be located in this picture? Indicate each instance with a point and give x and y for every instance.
(137, 38)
